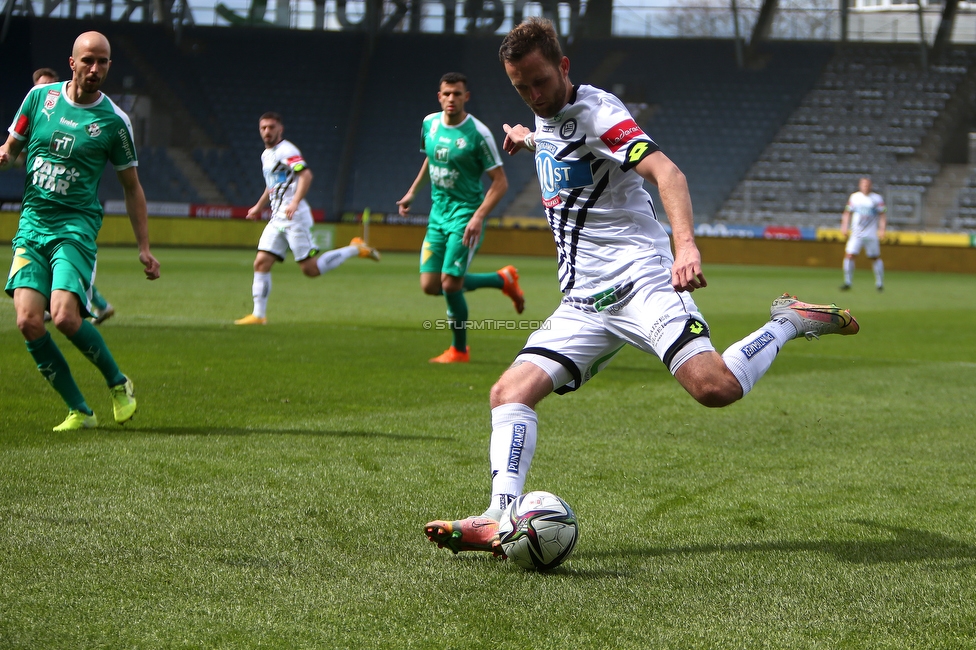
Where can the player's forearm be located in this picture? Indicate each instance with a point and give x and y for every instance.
(497, 189)
(676, 200)
(135, 208)
(12, 148)
(264, 201)
(304, 183)
(423, 177)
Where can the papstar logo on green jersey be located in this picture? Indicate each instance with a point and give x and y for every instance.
(442, 176)
(53, 177)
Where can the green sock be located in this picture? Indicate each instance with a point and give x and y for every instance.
(457, 311)
(474, 281)
(98, 300)
(54, 368)
(92, 345)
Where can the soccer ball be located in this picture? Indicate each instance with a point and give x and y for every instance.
(538, 531)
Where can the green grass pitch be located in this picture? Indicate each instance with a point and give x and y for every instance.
(272, 489)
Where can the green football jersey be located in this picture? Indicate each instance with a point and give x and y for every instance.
(67, 146)
(457, 158)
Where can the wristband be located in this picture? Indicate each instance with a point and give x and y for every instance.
(529, 142)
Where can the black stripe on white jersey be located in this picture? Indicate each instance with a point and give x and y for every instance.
(567, 260)
(279, 193)
(567, 276)
(573, 146)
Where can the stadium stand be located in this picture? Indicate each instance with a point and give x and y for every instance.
(707, 114)
(404, 74)
(873, 112)
(311, 89)
(782, 140)
(963, 216)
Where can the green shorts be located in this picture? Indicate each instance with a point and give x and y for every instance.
(46, 264)
(443, 252)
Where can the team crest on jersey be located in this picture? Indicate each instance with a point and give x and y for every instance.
(460, 143)
(93, 130)
(50, 102)
(567, 130)
(51, 99)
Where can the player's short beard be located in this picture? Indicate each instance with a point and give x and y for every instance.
(552, 108)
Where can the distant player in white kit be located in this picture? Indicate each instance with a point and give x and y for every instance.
(287, 179)
(620, 282)
(867, 228)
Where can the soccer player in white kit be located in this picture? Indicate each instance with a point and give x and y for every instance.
(287, 179)
(867, 228)
(620, 281)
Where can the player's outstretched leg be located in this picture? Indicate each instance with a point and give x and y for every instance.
(812, 321)
(365, 250)
(510, 288)
(123, 401)
(471, 534)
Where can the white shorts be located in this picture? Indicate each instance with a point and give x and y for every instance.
(281, 234)
(578, 341)
(872, 247)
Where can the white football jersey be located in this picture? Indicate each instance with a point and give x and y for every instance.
(865, 210)
(280, 165)
(601, 217)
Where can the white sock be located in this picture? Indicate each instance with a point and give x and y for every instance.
(514, 428)
(260, 289)
(332, 259)
(848, 270)
(750, 358)
(878, 267)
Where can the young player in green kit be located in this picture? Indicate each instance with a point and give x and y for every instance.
(70, 132)
(459, 150)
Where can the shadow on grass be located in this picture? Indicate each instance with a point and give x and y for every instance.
(903, 545)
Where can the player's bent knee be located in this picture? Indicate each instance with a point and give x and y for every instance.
(310, 270)
(706, 378)
(501, 393)
(66, 322)
(715, 396)
(522, 383)
(31, 326)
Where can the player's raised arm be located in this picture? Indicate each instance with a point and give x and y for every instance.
(657, 168)
(135, 207)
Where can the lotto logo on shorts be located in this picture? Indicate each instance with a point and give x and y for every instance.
(755, 347)
(515, 452)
